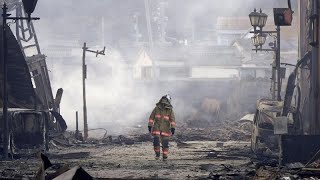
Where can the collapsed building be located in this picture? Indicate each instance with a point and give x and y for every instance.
(291, 127)
(33, 112)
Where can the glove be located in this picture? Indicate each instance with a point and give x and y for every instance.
(149, 128)
(172, 131)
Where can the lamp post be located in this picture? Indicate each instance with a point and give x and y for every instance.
(29, 6)
(258, 20)
(84, 76)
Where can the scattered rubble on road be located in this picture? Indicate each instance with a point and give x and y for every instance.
(207, 153)
(226, 131)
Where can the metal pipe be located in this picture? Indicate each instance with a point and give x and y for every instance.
(264, 32)
(314, 71)
(274, 70)
(77, 124)
(278, 65)
(5, 80)
(289, 4)
(22, 18)
(273, 89)
(84, 72)
(258, 49)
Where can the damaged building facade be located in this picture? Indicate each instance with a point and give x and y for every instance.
(31, 106)
(308, 77)
(305, 99)
(294, 128)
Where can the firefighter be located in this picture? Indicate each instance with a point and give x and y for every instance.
(162, 125)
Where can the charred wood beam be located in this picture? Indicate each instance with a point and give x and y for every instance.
(289, 93)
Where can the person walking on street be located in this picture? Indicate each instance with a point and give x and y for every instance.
(162, 125)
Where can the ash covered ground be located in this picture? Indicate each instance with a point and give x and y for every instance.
(220, 152)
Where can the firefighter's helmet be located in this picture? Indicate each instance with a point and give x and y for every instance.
(168, 97)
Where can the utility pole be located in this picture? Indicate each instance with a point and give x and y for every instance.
(84, 76)
(5, 79)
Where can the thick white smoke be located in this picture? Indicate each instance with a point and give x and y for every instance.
(115, 103)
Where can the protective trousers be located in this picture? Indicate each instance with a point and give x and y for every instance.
(164, 140)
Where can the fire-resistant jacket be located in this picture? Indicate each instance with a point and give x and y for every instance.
(162, 118)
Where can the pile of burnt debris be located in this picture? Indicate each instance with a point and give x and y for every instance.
(291, 171)
(219, 131)
(39, 167)
(258, 168)
(69, 139)
(226, 131)
(223, 131)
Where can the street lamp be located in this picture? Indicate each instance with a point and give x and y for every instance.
(262, 19)
(258, 40)
(254, 19)
(261, 38)
(255, 42)
(259, 19)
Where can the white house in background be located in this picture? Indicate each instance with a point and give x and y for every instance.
(163, 63)
(143, 67)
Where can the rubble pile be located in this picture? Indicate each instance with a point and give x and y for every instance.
(286, 173)
(228, 131)
(262, 168)
(223, 171)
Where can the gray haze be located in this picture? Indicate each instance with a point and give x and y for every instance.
(117, 100)
(83, 17)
